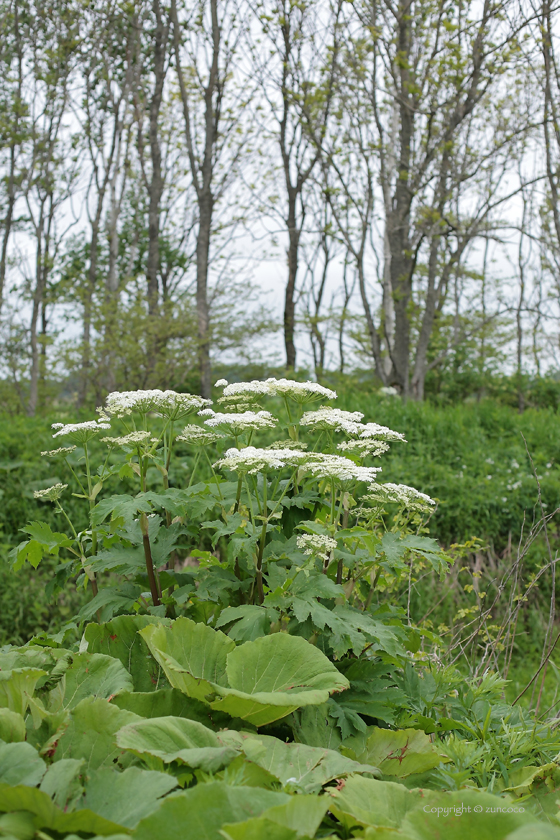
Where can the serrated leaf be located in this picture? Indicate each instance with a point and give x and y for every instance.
(400, 752)
(372, 802)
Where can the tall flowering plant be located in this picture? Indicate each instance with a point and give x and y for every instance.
(265, 513)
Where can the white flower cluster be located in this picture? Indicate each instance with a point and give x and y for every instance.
(235, 424)
(61, 451)
(333, 418)
(316, 544)
(131, 440)
(253, 460)
(168, 404)
(339, 468)
(80, 432)
(388, 391)
(374, 430)
(402, 494)
(364, 448)
(301, 392)
(197, 436)
(50, 494)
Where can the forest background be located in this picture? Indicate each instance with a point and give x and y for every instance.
(365, 193)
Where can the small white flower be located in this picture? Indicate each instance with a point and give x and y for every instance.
(316, 544)
(168, 404)
(62, 450)
(253, 460)
(490, 461)
(50, 494)
(364, 447)
(488, 478)
(334, 418)
(131, 440)
(301, 392)
(388, 391)
(235, 424)
(221, 383)
(197, 436)
(514, 465)
(404, 495)
(339, 468)
(206, 412)
(374, 430)
(80, 432)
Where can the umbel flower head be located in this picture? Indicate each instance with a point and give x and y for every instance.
(235, 424)
(340, 469)
(80, 432)
(334, 418)
(363, 448)
(168, 404)
(50, 494)
(61, 452)
(316, 544)
(300, 392)
(402, 494)
(253, 460)
(197, 436)
(130, 441)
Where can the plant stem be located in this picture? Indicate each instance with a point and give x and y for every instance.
(149, 560)
(260, 590)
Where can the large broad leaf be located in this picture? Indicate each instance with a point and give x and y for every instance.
(300, 817)
(47, 815)
(17, 687)
(305, 768)
(260, 681)
(63, 782)
(126, 798)
(91, 733)
(257, 829)
(315, 726)
(12, 726)
(465, 814)
(361, 801)
(177, 739)
(172, 702)
(20, 764)
(201, 811)
(120, 638)
(89, 675)
(398, 753)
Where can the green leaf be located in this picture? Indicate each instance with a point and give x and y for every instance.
(122, 508)
(177, 739)
(171, 702)
(399, 752)
(43, 541)
(47, 815)
(89, 675)
(62, 782)
(371, 802)
(17, 687)
(251, 621)
(258, 681)
(306, 768)
(12, 726)
(120, 638)
(300, 817)
(446, 815)
(20, 764)
(126, 798)
(257, 829)
(205, 809)
(19, 826)
(109, 601)
(91, 733)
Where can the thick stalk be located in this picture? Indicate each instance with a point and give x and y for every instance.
(260, 590)
(149, 560)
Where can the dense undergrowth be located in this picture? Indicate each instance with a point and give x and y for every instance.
(269, 642)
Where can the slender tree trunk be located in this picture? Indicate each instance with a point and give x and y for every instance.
(38, 295)
(203, 315)
(294, 234)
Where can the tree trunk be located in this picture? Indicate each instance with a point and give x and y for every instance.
(203, 315)
(294, 233)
